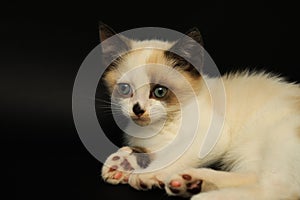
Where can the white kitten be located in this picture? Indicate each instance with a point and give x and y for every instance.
(259, 146)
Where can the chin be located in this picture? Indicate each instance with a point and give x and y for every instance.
(142, 122)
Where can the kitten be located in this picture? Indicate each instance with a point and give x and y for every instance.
(259, 146)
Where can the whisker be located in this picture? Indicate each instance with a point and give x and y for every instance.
(105, 106)
(107, 102)
(108, 106)
(111, 114)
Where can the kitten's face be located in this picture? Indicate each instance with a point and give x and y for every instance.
(140, 98)
(149, 84)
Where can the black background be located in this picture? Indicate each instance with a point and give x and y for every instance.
(43, 45)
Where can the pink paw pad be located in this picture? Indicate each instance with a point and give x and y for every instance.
(113, 168)
(186, 177)
(116, 158)
(175, 184)
(118, 175)
(186, 185)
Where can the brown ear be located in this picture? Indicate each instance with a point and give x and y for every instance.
(195, 34)
(105, 31)
(188, 52)
(113, 44)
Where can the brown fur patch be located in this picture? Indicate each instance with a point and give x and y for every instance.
(196, 82)
(159, 57)
(170, 97)
(110, 79)
(156, 57)
(136, 149)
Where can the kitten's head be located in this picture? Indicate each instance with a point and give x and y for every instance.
(151, 79)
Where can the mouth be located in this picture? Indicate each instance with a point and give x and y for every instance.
(142, 121)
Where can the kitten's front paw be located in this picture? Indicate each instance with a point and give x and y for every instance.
(146, 181)
(185, 184)
(118, 166)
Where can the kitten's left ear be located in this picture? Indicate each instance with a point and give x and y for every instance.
(188, 52)
(112, 48)
(195, 34)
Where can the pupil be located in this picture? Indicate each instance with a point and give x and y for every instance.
(160, 91)
(125, 88)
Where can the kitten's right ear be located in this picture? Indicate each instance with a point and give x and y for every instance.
(188, 53)
(113, 44)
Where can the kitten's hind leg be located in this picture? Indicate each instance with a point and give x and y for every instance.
(192, 181)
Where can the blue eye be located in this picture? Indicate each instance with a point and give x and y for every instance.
(124, 89)
(160, 91)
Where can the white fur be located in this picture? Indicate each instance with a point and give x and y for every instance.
(260, 135)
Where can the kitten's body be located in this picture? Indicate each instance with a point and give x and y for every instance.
(259, 144)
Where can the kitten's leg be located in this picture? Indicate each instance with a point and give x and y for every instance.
(118, 166)
(121, 167)
(193, 181)
(208, 184)
(146, 179)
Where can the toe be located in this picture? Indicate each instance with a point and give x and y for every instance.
(175, 187)
(186, 177)
(194, 187)
(143, 185)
